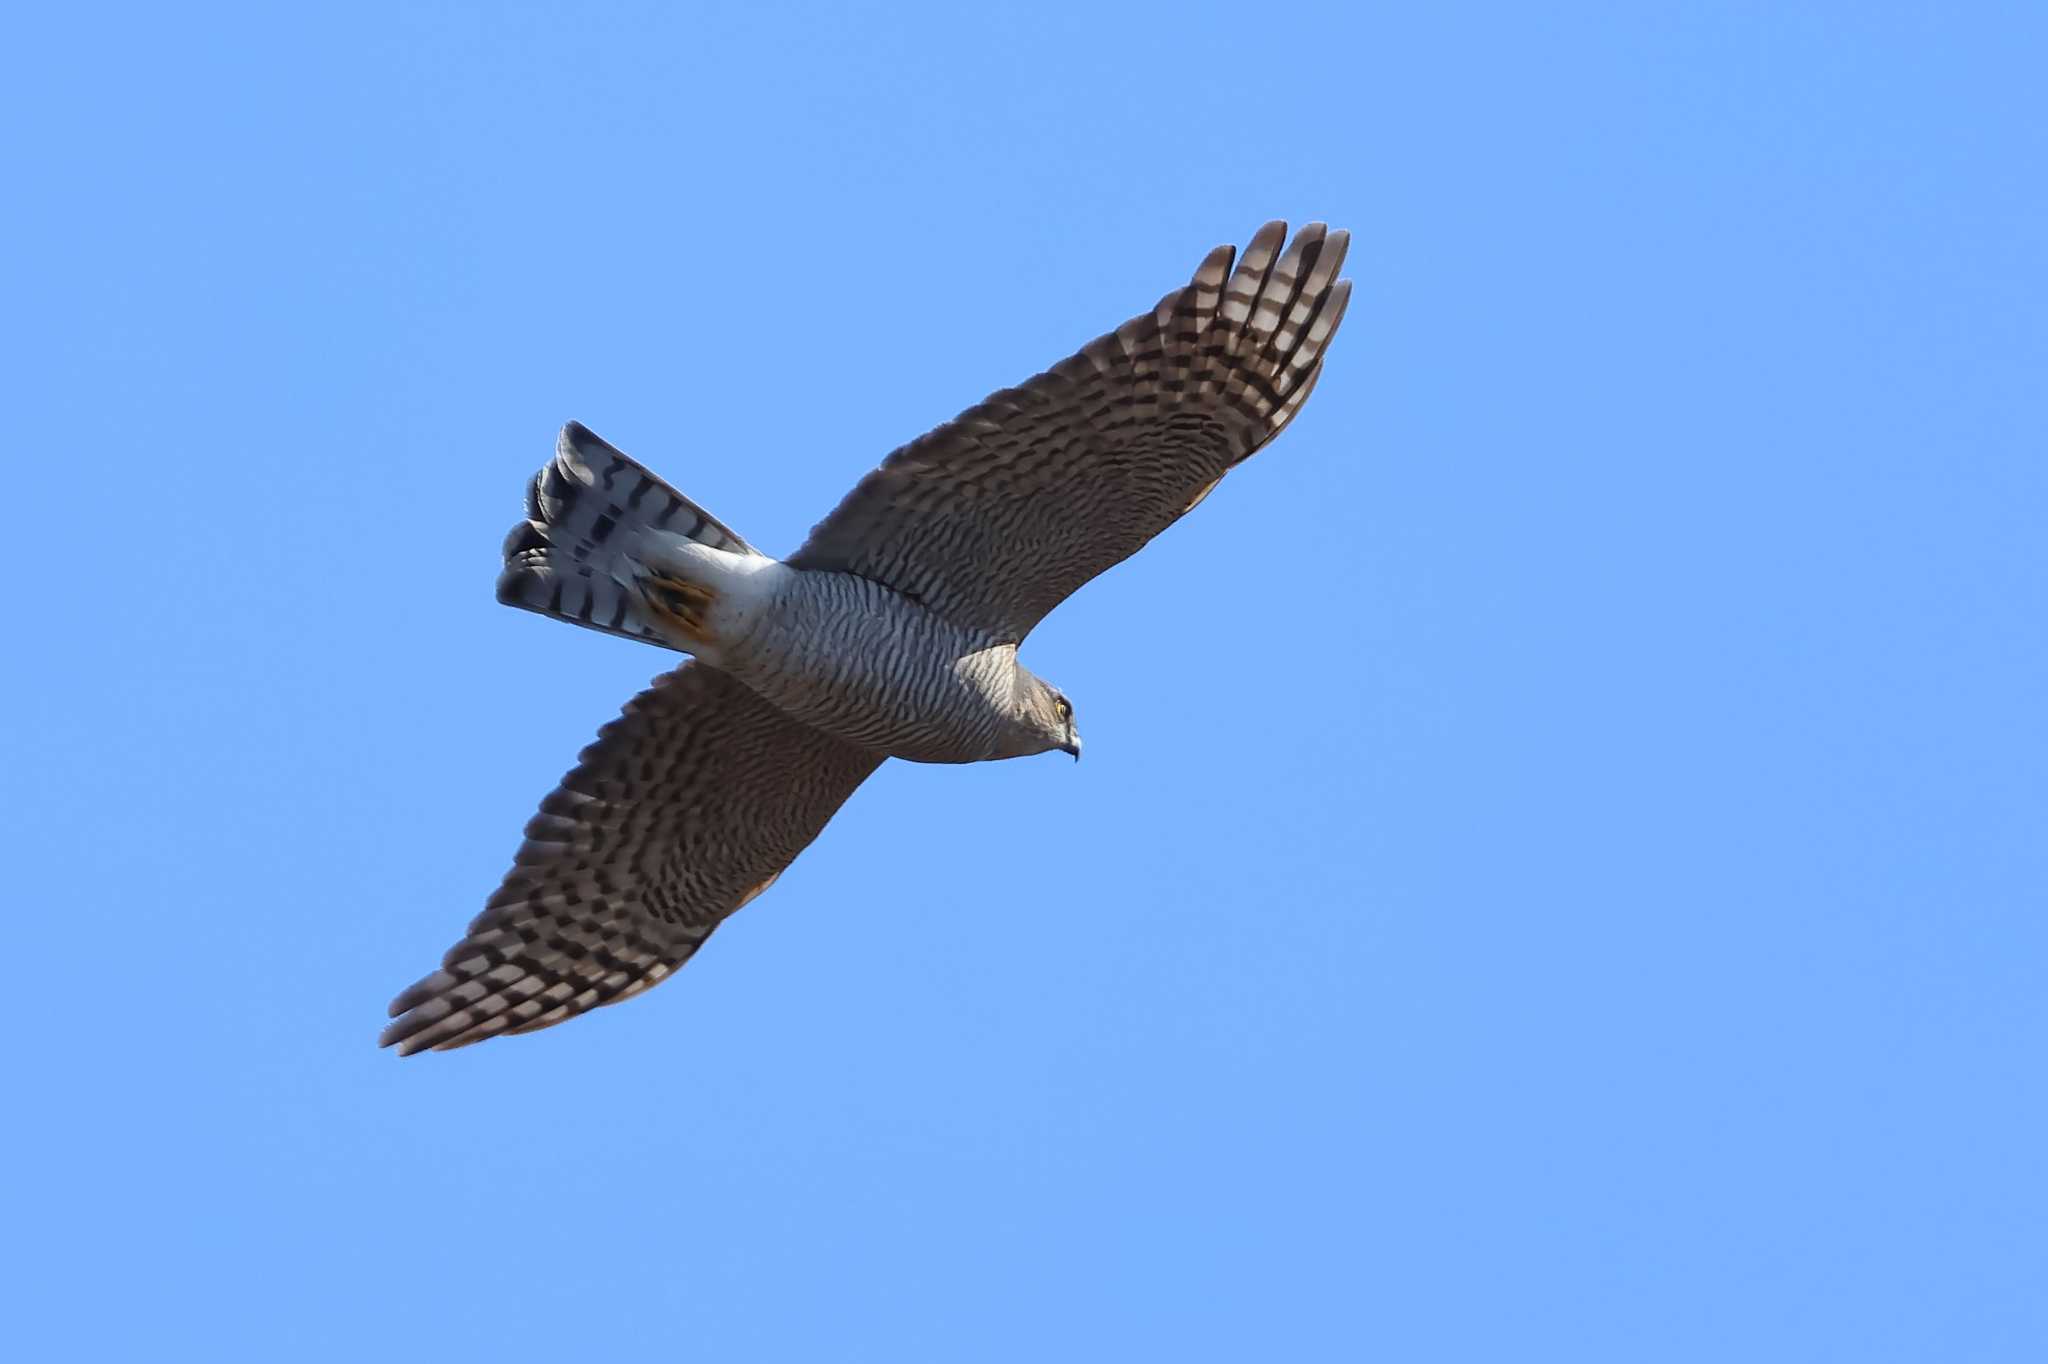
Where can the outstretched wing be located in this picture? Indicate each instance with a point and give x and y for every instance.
(686, 807)
(994, 518)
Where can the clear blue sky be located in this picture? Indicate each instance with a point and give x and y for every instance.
(1559, 869)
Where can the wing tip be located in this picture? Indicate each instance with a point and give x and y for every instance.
(579, 442)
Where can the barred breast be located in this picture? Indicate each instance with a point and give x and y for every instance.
(866, 664)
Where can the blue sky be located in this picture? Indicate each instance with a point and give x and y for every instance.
(1558, 871)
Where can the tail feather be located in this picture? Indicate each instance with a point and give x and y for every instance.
(593, 514)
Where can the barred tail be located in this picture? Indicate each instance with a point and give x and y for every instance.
(594, 517)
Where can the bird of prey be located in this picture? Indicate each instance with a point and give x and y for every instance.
(893, 631)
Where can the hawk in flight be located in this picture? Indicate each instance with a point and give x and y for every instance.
(893, 632)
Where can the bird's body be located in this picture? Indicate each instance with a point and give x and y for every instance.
(893, 631)
(879, 670)
(851, 657)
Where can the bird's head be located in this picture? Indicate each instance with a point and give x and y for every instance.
(1043, 720)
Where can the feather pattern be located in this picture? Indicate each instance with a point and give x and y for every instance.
(686, 807)
(892, 631)
(999, 515)
(593, 515)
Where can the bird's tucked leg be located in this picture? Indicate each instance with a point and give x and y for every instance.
(681, 607)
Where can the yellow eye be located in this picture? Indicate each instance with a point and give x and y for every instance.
(1066, 707)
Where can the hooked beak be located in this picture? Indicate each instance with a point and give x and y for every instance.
(1074, 747)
